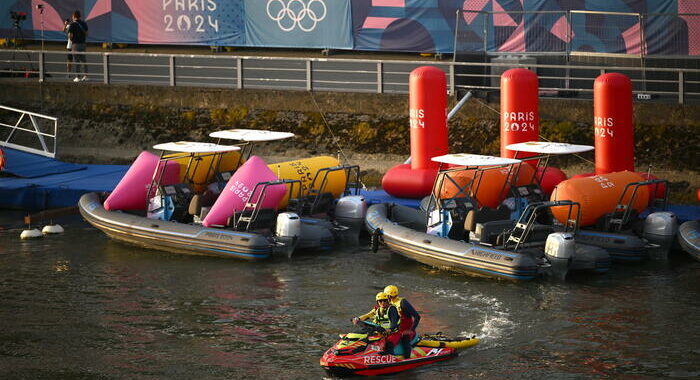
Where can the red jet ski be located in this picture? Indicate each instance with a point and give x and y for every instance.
(364, 353)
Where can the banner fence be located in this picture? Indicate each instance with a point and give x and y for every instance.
(439, 26)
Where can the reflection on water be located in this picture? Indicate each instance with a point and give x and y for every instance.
(80, 305)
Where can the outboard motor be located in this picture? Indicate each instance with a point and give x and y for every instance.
(350, 212)
(661, 228)
(288, 230)
(559, 250)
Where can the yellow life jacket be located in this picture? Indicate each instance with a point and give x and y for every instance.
(397, 302)
(381, 317)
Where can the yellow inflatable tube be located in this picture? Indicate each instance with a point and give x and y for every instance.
(200, 169)
(305, 170)
(456, 344)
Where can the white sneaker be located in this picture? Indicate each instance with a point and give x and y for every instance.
(84, 78)
(76, 79)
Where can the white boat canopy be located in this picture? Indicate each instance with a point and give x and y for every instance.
(544, 147)
(251, 135)
(465, 159)
(195, 147)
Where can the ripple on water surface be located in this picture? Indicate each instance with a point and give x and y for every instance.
(81, 305)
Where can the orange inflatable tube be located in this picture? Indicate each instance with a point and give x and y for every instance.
(598, 195)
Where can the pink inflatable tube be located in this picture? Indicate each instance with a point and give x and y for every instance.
(240, 188)
(130, 193)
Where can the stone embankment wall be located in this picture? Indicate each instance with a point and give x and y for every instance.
(105, 123)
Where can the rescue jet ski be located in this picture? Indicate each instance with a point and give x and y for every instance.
(365, 352)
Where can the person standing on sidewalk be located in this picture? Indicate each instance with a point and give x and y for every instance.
(77, 35)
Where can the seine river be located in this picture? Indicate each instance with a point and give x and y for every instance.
(79, 305)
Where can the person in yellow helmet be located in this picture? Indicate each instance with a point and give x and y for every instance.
(409, 317)
(385, 315)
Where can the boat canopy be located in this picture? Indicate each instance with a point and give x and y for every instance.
(544, 147)
(195, 147)
(465, 159)
(251, 135)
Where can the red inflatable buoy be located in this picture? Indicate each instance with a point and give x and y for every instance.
(2, 160)
(403, 182)
(428, 126)
(612, 120)
(520, 120)
(550, 179)
(428, 117)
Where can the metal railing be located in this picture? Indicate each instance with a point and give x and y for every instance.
(344, 75)
(28, 129)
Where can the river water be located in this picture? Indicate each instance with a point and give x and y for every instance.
(79, 305)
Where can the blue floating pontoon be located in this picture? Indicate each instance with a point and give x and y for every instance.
(34, 182)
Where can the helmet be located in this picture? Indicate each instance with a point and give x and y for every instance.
(391, 290)
(381, 296)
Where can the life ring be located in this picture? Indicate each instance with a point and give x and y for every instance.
(374, 240)
(2, 159)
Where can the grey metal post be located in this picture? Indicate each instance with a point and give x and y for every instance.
(452, 79)
(172, 70)
(239, 73)
(105, 68)
(380, 84)
(309, 78)
(681, 88)
(486, 32)
(41, 63)
(454, 44)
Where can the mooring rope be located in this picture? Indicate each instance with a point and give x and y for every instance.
(335, 140)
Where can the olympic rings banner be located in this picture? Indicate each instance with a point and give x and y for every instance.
(299, 23)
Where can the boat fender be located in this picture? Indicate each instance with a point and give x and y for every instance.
(2, 159)
(31, 234)
(374, 240)
(52, 229)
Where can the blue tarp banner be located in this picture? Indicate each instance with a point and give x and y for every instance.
(405, 25)
(668, 27)
(298, 23)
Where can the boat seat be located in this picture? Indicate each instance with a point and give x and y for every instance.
(265, 219)
(180, 194)
(458, 209)
(489, 232)
(198, 201)
(485, 214)
(539, 233)
(323, 204)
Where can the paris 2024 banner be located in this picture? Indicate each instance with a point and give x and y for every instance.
(264, 23)
(669, 27)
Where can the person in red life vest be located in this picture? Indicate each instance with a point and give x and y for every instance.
(409, 317)
(385, 315)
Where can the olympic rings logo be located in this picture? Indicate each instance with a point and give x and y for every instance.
(293, 13)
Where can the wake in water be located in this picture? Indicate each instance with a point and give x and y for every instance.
(497, 322)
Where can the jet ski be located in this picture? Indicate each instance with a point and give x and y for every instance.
(365, 353)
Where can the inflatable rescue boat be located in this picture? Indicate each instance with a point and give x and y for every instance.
(454, 233)
(689, 238)
(157, 204)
